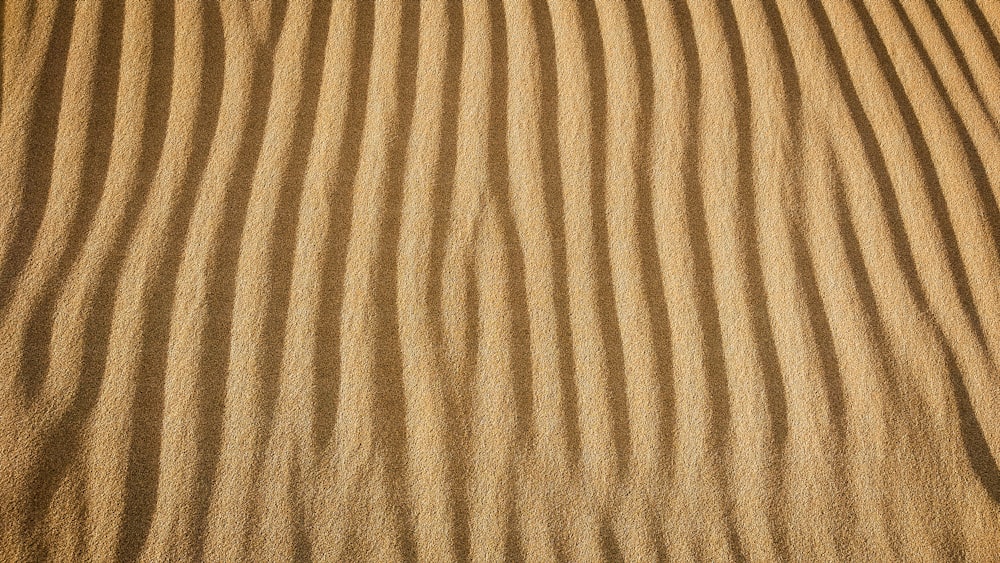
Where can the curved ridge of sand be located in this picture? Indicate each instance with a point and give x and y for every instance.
(509, 280)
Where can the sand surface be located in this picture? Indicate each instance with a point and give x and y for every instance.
(505, 280)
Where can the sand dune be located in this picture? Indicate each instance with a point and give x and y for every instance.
(500, 280)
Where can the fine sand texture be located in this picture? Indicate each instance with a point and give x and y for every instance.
(687, 280)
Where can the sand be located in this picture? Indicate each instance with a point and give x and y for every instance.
(505, 280)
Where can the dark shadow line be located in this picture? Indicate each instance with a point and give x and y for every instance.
(147, 418)
(763, 336)
(459, 418)
(41, 139)
(499, 187)
(287, 216)
(445, 173)
(791, 85)
(979, 175)
(981, 458)
(804, 269)
(470, 330)
(61, 445)
(985, 30)
(873, 155)
(755, 286)
(326, 348)
(822, 332)
(963, 64)
(442, 189)
(975, 162)
(286, 219)
(853, 249)
(279, 9)
(47, 470)
(652, 270)
(217, 339)
(147, 407)
(93, 177)
(301, 543)
(822, 335)
(859, 273)
(99, 331)
(512, 540)
(498, 174)
(791, 89)
(554, 211)
(391, 434)
(106, 88)
(874, 329)
(694, 209)
(925, 162)
(713, 363)
(608, 325)
(610, 550)
(656, 531)
(284, 230)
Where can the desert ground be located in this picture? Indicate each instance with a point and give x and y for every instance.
(688, 280)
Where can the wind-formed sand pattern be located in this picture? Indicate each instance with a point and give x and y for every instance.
(500, 280)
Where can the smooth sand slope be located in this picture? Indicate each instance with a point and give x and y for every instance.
(504, 280)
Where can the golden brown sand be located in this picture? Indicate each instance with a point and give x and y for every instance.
(505, 280)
